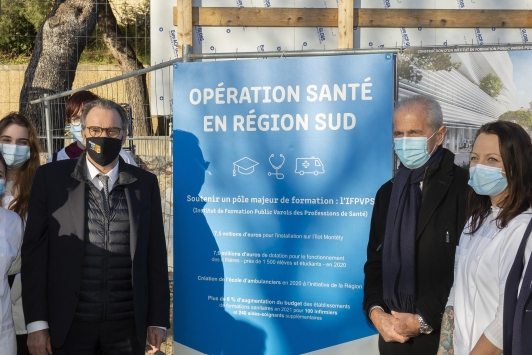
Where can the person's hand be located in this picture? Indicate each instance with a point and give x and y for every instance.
(156, 336)
(407, 325)
(39, 342)
(385, 324)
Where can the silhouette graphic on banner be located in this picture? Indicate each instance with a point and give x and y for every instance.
(222, 333)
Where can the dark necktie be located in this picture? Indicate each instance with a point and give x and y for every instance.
(520, 310)
(104, 179)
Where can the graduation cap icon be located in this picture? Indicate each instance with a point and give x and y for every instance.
(245, 166)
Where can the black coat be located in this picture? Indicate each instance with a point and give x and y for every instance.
(442, 212)
(510, 302)
(53, 248)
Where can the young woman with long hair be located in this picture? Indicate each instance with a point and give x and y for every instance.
(499, 212)
(20, 148)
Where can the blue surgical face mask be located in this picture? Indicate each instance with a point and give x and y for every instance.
(487, 180)
(2, 186)
(76, 133)
(15, 155)
(412, 151)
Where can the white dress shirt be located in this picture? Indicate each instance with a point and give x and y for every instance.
(482, 263)
(93, 172)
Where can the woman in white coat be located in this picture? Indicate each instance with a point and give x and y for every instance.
(499, 212)
(10, 241)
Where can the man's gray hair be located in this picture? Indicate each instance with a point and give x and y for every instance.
(106, 105)
(431, 107)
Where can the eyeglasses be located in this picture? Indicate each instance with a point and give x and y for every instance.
(112, 132)
(75, 120)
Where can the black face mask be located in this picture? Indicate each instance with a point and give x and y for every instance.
(103, 150)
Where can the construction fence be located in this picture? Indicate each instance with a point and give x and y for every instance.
(19, 25)
(152, 152)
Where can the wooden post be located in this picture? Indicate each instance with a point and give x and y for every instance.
(345, 24)
(363, 18)
(184, 24)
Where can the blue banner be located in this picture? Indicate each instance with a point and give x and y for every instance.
(276, 165)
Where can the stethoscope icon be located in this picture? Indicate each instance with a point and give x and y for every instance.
(277, 174)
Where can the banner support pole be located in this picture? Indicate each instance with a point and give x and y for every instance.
(187, 51)
(48, 122)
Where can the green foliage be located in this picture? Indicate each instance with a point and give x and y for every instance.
(409, 65)
(491, 85)
(135, 26)
(523, 118)
(19, 22)
(35, 11)
(96, 51)
(436, 62)
(406, 70)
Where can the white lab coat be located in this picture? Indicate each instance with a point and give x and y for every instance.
(482, 263)
(16, 288)
(10, 241)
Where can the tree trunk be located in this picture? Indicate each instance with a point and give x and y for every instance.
(60, 41)
(136, 88)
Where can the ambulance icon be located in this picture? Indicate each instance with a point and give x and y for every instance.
(310, 165)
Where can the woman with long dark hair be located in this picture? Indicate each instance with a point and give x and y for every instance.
(20, 148)
(499, 212)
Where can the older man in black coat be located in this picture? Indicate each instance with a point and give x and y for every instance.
(94, 262)
(417, 220)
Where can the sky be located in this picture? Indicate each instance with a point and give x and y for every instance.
(522, 61)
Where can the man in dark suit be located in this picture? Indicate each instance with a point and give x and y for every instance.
(416, 224)
(94, 262)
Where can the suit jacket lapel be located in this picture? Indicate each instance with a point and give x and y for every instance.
(76, 200)
(511, 289)
(510, 296)
(436, 192)
(133, 205)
